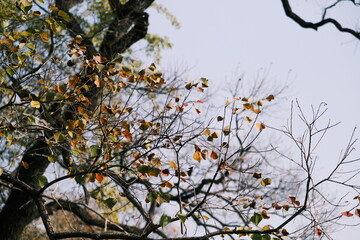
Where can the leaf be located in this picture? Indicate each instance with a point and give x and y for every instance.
(255, 237)
(182, 217)
(291, 199)
(270, 97)
(206, 132)
(219, 118)
(64, 15)
(1, 171)
(59, 137)
(10, 71)
(44, 36)
(99, 177)
(109, 202)
(52, 158)
(347, 214)
(318, 232)
(248, 119)
(197, 156)
(256, 218)
(35, 104)
(100, 59)
(214, 155)
(357, 211)
(257, 175)
(43, 181)
(164, 220)
(151, 196)
(260, 126)
(143, 169)
(25, 164)
(163, 197)
(284, 232)
(226, 130)
(227, 103)
(265, 182)
(173, 165)
(94, 150)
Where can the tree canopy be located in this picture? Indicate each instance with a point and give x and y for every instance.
(95, 145)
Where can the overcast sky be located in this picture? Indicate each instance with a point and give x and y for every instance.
(221, 38)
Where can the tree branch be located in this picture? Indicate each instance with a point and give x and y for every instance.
(315, 26)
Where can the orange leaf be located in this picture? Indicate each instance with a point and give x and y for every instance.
(260, 126)
(318, 232)
(100, 59)
(99, 177)
(197, 156)
(199, 101)
(25, 164)
(214, 155)
(127, 135)
(347, 214)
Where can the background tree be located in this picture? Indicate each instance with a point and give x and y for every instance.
(129, 155)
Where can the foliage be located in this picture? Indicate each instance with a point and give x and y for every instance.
(112, 151)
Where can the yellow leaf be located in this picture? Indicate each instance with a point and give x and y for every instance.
(197, 156)
(44, 36)
(248, 119)
(173, 165)
(35, 104)
(53, 8)
(38, 59)
(227, 103)
(156, 162)
(207, 132)
(266, 228)
(260, 126)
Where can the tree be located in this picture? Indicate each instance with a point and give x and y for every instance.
(325, 18)
(98, 147)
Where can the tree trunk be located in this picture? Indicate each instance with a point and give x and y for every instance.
(20, 209)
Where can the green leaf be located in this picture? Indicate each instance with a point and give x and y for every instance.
(109, 202)
(265, 237)
(265, 182)
(256, 218)
(10, 71)
(143, 169)
(64, 15)
(164, 220)
(165, 197)
(255, 237)
(43, 181)
(182, 217)
(151, 196)
(94, 150)
(80, 179)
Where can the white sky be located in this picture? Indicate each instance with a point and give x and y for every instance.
(220, 38)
